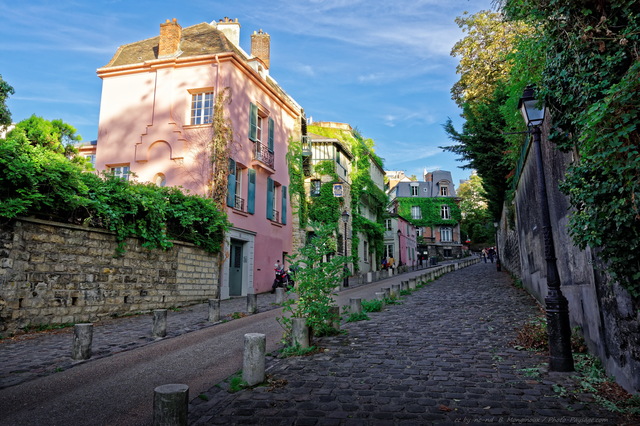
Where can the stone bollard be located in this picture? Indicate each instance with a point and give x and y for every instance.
(395, 291)
(387, 293)
(255, 347)
(413, 284)
(252, 303)
(171, 405)
(380, 297)
(279, 296)
(214, 310)
(369, 277)
(356, 305)
(82, 340)
(159, 328)
(390, 270)
(334, 311)
(404, 286)
(300, 332)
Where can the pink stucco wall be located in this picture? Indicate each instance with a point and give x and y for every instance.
(144, 120)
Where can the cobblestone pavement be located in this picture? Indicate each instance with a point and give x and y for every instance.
(443, 356)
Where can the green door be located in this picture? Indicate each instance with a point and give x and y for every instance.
(235, 269)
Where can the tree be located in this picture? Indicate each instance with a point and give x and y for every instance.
(55, 135)
(5, 91)
(484, 54)
(476, 219)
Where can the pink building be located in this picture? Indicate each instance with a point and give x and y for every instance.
(158, 97)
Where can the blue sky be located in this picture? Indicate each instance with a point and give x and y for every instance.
(382, 66)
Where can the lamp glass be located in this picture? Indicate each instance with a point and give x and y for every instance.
(345, 216)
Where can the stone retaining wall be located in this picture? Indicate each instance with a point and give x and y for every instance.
(53, 273)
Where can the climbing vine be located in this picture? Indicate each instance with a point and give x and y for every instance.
(296, 181)
(219, 150)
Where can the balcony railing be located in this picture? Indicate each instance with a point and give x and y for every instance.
(239, 205)
(262, 154)
(306, 145)
(276, 216)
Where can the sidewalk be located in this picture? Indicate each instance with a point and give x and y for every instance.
(443, 356)
(31, 355)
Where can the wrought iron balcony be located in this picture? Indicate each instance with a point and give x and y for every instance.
(239, 205)
(276, 216)
(264, 155)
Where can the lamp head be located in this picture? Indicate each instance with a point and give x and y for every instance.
(532, 110)
(345, 216)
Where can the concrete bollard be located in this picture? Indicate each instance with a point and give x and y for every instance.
(252, 303)
(159, 328)
(380, 297)
(171, 405)
(82, 340)
(356, 305)
(255, 347)
(279, 296)
(387, 293)
(395, 291)
(369, 277)
(214, 310)
(413, 283)
(300, 332)
(334, 311)
(404, 286)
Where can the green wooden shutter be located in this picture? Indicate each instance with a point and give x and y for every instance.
(251, 198)
(231, 185)
(270, 188)
(271, 132)
(284, 205)
(253, 122)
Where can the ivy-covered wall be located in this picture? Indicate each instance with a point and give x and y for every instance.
(431, 211)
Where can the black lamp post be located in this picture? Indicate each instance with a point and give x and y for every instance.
(558, 328)
(345, 219)
(498, 266)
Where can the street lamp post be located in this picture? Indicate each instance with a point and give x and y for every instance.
(558, 328)
(498, 266)
(345, 219)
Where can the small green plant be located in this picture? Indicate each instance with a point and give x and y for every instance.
(296, 350)
(203, 397)
(533, 372)
(238, 315)
(372, 305)
(236, 383)
(405, 292)
(358, 316)
(46, 327)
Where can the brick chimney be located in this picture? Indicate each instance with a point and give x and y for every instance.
(170, 35)
(231, 29)
(261, 46)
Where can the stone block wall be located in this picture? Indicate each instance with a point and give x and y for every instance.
(52, 273)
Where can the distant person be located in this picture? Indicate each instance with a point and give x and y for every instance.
(492, 254)
(484, 254)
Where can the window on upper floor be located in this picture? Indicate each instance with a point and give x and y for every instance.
(444, 191)
(416, 212)
(202, 108)
(414, 190)
(122, 172)
(261, 126)
(445, 212)
(446, 235)
(388, 225)
(419, 232)
(92, 159)
(160, 180)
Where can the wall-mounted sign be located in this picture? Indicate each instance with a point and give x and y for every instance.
(337, 190)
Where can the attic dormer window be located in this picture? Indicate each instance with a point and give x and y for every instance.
(444, 191)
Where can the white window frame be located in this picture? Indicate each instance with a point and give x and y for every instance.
(414, 190)
(444, 191)
(202, 104)
(416, 212)
(123, 172)
(446, 235)
(445, 212)
(388, 225)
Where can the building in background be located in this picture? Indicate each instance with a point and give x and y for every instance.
(157, 123)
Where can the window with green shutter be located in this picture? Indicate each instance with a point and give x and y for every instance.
(270, 189)
(284, 205)
(231, 184)
(251, 197)
(253, 122)
(271, 133)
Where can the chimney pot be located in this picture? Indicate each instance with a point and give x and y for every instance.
(261, 47)
(170, 35)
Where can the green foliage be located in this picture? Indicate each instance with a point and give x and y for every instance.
(326, 209)
(358, 316)
(476, 221)
(590, 83)
(374, 305)
(5, 91)
(431, 213)
(317, 275)
(37, 179)
(296, 350)
(296, 182)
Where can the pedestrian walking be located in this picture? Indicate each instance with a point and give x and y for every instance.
(484, 255)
